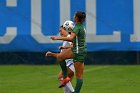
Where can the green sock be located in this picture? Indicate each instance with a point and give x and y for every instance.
(79, 84)
(64, 68)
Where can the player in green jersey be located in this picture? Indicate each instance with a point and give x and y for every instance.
(78, 37)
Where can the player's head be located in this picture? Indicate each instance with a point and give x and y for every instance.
(62, 31)
(80, 16)
(68, 25)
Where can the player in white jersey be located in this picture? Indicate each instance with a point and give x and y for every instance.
(69, 62)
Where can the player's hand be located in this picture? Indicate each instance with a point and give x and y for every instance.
(48, 53)
(53, 37)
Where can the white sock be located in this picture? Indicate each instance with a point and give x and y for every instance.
(66, 90)
(70, 87)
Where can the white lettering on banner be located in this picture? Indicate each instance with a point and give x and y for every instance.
(92, 37)
(36, 24)
(64, 11)
(11, 32)
(11, 3)
(91, 26)
(136, 36)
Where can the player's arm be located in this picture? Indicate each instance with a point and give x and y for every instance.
(73, 35)
(51, 54)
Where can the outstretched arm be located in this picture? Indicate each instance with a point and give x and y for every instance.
(51, 54)
(73, 35)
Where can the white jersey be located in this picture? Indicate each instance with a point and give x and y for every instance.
(69, 62)
(66, 44)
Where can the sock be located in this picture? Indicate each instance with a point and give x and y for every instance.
(64, 68)
(66, 90)
(79, 83)
(69, 85)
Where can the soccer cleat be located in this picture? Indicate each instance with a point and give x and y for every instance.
(64, 82)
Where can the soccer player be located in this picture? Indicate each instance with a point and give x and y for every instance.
(78, 38)
(69, 62)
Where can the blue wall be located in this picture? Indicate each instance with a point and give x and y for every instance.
(111, 15)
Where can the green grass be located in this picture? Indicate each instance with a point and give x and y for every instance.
(43, 79)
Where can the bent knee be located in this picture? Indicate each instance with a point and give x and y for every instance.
(79, 76)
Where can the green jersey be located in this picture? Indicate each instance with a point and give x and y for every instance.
(79, 42)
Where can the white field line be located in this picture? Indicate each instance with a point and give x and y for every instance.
(95, 69)
(85, 71)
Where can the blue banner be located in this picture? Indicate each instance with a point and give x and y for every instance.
(26, 25)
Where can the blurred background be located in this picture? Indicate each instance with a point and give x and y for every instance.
(112, 26)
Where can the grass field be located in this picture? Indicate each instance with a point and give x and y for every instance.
(43, 79)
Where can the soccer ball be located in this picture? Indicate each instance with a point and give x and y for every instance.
(68, 25)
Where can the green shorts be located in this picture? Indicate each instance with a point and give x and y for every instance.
(79, 57)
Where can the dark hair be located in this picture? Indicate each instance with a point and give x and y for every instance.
(81, 16)
(61, 26)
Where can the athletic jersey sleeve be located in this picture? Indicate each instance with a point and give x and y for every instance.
(75, 30)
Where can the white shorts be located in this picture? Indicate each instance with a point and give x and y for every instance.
(70, 64)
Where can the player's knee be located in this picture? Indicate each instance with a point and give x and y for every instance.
(79, 76)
